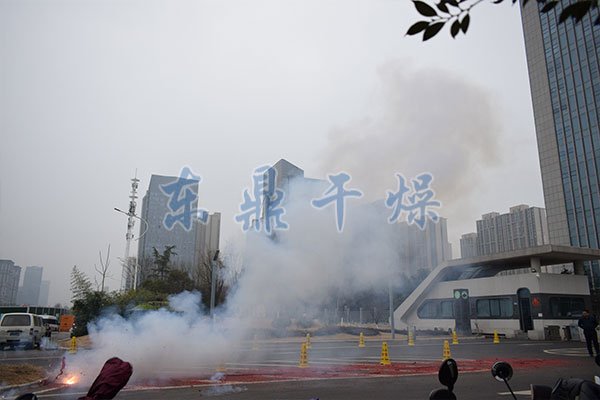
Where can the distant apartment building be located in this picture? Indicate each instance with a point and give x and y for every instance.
(9, 282)
(521, 227)
(32, 282)
(44, 294)
(207, 236)
(190, 244)
(423, 248)
(468, 245)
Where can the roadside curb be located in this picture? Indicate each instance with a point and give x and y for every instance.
(22, 385)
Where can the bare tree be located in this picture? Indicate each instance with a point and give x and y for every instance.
(201, 274)
(233, 262)
(103, 269)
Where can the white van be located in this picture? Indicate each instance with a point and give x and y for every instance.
(21, 329)
(51, 323)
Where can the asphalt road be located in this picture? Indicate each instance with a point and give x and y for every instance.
(45, 357)
(479, 385)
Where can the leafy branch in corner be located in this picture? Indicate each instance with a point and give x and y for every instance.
(457, 12)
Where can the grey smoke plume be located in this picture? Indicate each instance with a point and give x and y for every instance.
(428, 120)
(159, 344)
(294, 275)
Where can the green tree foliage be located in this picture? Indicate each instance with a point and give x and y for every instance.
(88, 308)
(457, 14)
(80, 284)
(162, 261)
(174, 282)
(153, 293)
(141, 298)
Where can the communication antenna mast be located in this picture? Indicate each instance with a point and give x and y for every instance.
(128, 279)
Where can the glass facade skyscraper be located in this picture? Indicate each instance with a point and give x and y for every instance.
(565, 85)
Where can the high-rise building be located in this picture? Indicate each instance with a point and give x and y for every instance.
(468, 245)
(9, 282)
(291, 180)
(32, 281)
(522, 227)
(564, 75)
(207, 236)
(416, 248)
(423, 248)
(44, 294)
(190, 243)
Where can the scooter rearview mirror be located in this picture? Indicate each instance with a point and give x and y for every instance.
(502, 371)
(448, 373)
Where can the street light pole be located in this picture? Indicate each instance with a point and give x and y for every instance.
(127, 246)
(126, 274)
(391, 296)
(213, 283)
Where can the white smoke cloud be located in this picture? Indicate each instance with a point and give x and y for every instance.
(428, 120)
(159, 344)
(293, 275)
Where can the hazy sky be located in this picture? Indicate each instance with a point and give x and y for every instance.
(90, 91)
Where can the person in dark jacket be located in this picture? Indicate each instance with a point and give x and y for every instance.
(589, 323)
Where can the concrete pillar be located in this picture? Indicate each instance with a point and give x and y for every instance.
(534, 263)
(578, 268)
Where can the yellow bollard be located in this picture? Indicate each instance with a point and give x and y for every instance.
(221, 367)
(73, 347)
(361, 340)
(446, 354)
(308, 340)
(454, 337)
(385, 356)
(303, 356)
(411, 338)
(496, 337)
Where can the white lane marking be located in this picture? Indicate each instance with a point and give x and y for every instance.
(532, 344)
(569, 351)
(519, 393)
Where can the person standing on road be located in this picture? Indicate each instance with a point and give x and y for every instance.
(589, 323)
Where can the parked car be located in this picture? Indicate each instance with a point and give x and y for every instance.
(51, 324)
(21, 329)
